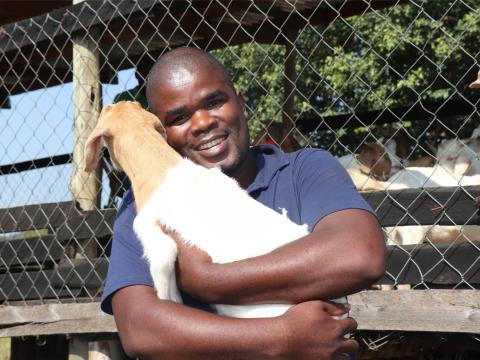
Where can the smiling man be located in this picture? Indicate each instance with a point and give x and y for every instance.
(206, 121)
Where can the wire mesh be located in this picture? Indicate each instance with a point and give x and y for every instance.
(383, 85)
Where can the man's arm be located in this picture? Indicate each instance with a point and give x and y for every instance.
(155, 329)
(345, 253)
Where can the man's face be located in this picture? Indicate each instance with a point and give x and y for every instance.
(204, 118)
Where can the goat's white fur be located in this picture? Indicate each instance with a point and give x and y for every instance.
(207, 209)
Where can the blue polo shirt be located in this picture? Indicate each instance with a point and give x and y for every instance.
(309, 184)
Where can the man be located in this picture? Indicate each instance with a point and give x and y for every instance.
(205, 120)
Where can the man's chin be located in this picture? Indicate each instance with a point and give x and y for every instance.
(230, 169)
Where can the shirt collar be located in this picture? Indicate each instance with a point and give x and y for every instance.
(269, 160)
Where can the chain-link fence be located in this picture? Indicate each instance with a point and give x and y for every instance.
(383, 85)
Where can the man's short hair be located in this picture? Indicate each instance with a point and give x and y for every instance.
(186, 58)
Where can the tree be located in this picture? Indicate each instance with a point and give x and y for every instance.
(399, 56)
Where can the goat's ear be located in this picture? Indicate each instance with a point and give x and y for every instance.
(92, 147)
(160, 128)
(366, 155)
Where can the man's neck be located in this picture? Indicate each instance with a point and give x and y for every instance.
(247, 172)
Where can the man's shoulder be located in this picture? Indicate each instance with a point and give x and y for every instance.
(276, 166)
(271, 153)
(304, 159)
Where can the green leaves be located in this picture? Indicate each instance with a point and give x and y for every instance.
(425, 50)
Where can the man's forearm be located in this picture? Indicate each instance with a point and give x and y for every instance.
(150, 328)
(154, 329)
(340, 257)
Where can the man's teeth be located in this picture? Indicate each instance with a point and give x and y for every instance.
(211, 144)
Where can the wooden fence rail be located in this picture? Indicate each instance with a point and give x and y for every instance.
(47, 290)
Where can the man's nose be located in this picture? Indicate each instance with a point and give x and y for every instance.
(202, 121)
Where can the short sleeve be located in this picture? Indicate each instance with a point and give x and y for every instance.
(324, 187)
(127, 264)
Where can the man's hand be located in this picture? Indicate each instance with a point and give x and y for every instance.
(314, 333)
(193, 264)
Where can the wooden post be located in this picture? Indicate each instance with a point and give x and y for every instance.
(85, 187)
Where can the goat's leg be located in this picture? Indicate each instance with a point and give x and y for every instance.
(161, 253)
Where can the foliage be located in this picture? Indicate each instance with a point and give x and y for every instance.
(421, 51)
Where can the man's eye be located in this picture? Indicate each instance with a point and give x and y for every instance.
(214, 103)
(179, 120)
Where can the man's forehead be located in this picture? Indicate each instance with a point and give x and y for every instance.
(182, 77)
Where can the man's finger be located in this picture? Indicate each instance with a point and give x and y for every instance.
(349, 325)
(349, 346)
(335, 309)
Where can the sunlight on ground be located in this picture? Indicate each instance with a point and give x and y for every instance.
(5, 349)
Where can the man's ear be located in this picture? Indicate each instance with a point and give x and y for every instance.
(92, 147)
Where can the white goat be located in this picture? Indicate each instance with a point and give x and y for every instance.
(368, 168)
(436, 234)
(462, 157)
(399, 163)
(436, 176)
(201, 205)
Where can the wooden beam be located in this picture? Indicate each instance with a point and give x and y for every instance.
(30, 251)
(417, 310)
(428, 206)
(433, 265)
(35, 164)
(62, 218)
(85, 187)
(422, 110)
(31, 285)
(13, 11)
(397, 310)
(41, 216)
(54, 319)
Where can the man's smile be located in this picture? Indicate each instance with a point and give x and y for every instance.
(212, 146)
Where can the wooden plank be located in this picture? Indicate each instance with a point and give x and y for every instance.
(28, 251)
(41, 216)
(63, 218)
(34, 285)
(78, 326)
(442, 109)
(54, 319)
(452, 265)
(441, 206)
(442, 265)
(34, 37)
(80, 273)
(446, 311)
(87, 225)
(13, 11)
(35, 164)
(417, 310)
(67, 21)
